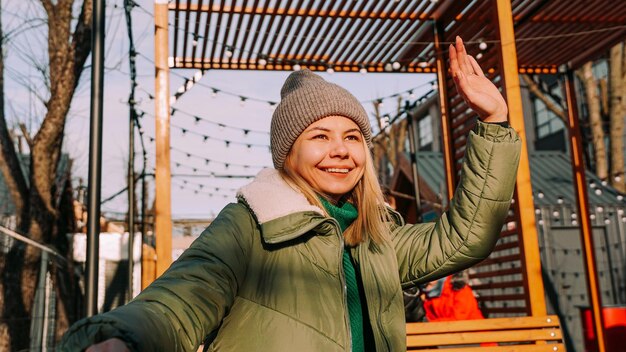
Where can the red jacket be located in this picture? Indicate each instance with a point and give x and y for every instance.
(452, 304)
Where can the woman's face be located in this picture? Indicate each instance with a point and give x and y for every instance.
(330, 156)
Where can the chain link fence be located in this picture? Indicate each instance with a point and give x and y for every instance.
(43, 315)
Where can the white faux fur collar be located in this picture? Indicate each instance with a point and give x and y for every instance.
(270, 197)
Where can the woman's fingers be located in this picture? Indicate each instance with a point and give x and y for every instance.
(464, 63)
(476, 66)
(454, 62)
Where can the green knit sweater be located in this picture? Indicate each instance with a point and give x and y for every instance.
(360, 328)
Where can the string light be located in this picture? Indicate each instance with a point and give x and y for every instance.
(205, 137)
(229, 51)
(197, 120)
(216, 90)
(297, 67)
(396, 65)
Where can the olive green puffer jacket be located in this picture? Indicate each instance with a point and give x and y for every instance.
(267, 274)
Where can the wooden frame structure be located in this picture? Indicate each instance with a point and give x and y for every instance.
(510, 37)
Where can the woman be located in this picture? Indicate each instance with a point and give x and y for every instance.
(309, 259)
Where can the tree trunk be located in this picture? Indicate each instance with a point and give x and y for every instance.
(11, 309)
(595, 121)
(617, 115)
(67, 53)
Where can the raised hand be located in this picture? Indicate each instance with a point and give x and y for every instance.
(477, 90)
(110, 345)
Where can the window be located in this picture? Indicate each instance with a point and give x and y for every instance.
(546, 122)
(425, 128)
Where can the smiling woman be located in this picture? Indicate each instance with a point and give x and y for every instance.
(309, 258)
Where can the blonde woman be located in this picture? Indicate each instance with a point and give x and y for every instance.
(309, 258)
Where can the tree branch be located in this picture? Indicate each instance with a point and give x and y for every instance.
(26, 135)
(533, 87)
(9, 160)
(81, 40)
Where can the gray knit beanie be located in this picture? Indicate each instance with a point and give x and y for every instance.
(306, 98)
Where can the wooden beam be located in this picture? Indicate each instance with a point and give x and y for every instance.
(446, 131)
(239, 10)
(582, 204)
(162, 174)
(524, 197)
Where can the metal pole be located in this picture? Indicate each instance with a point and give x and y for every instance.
(582, 203)
(95, 158)
(128, 5)
(413, 151)
(131, 202)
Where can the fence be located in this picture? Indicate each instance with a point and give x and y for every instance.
(43, 316)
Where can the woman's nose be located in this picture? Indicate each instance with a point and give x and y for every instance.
(339, 148)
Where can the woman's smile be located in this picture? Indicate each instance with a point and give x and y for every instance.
(330, 156)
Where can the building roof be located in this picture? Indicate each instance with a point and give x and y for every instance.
(353, 34)
(551, 176)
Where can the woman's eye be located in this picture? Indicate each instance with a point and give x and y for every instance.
(320, 136)
(353, 138)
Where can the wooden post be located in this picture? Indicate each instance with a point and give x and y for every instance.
(446, 132)
(582, 204)
(148, 265)
(527, 230)
(162, 177)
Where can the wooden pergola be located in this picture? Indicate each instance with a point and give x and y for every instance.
(509, 36)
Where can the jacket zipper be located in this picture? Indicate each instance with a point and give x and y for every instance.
(342, 277)
(369, 307)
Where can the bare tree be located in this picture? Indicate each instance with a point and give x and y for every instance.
(617, 114)
(606, 103)
(595, 119)
(389, 142)
(37, 214)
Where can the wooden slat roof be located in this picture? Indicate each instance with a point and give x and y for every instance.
(348, 35)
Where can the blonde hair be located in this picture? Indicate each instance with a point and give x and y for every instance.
(366, 197)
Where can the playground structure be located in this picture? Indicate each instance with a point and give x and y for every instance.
(510, 37)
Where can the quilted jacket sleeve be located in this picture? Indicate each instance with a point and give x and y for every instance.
(468, 231)
(187, 302)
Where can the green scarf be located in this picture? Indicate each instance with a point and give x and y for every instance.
(345, 214)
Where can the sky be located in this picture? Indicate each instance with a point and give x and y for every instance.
(221, 117)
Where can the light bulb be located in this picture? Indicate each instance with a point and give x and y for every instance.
(482, 45)
(363, 70)
(262, 62)
(330, 71)
(396, 65)
(297, 67)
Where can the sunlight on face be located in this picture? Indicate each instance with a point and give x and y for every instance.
(330, 156)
